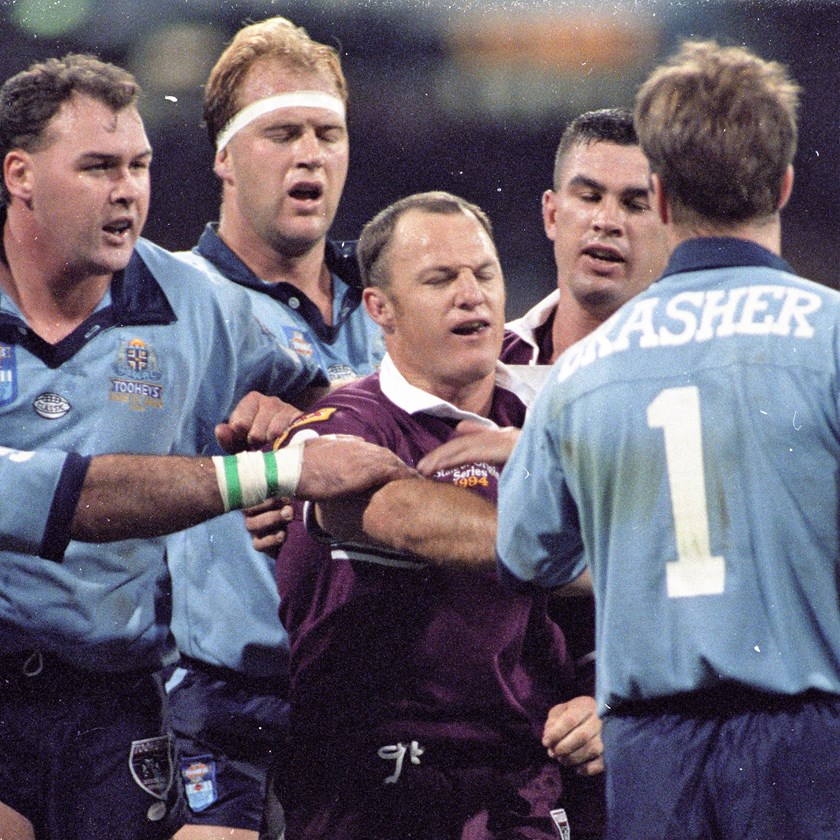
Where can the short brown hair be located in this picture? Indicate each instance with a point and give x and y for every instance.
(608, 125)
(31, 98)
(274, 38)
(377, 233)
(718, 126)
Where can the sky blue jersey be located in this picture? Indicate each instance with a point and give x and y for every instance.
(55, 479)
(164, 357)
(204, 580)
(688, 449)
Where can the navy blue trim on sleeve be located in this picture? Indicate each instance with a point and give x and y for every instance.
(63, 508)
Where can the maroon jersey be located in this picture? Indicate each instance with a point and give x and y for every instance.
(528, 339)
(416, 652)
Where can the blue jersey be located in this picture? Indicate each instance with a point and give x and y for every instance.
(141, 375)
(49, 476)
(205, 582)
(688, 449)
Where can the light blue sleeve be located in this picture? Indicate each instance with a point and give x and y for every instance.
(42, 491)
(538, 540)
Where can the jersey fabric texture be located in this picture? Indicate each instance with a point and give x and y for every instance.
(688, 450)
(140, 375)
(442, 663)
(236, 669)
(204, 581)
(527, 339)
(42, 529)
(690, 445)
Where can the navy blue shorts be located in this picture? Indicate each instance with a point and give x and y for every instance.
(752, 767)
(86, 756)
(227, 729)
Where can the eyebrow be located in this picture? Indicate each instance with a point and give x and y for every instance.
(105, 157)
(592, 184)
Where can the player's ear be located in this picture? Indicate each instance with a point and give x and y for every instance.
(221, 165)
(19, 175)
(660, 199)
(549, 213)
(379, 307)
(786, 188)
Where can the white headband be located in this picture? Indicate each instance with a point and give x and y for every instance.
(297, 99)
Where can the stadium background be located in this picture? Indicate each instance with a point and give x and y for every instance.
(464, 95)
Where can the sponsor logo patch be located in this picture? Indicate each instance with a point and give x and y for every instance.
(340, 373)
(561, 823)
(8, 374)
(199, 774)
(317, 416)
(51, 406)
(151, 765)
(138, 375)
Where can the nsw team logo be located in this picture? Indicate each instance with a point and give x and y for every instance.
(150, 762)
(137, 382)
(8, 374)
(51, 406)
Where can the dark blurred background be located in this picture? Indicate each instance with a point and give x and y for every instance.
(464, 95)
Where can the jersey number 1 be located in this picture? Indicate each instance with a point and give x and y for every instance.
(695, 572)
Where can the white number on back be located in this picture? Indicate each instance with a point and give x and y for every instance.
(695, 572)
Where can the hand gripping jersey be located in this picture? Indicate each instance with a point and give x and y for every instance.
(164, 357)
(203, 578)
(688, 450)
(419, 653)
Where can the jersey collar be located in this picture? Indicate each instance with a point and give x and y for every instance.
(721, 252)
(340, 258)
(136, 298)
(413, 400)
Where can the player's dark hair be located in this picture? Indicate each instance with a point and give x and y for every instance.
(718, 125)
(31, 98)
(377, 233)
(608, 125)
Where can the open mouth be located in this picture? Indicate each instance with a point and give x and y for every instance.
(306, 192)
(471, 327)
(600, 252)
(118, 228)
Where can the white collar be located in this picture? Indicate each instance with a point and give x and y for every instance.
(415, 401)
(526, 326)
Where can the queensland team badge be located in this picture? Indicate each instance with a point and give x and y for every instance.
(138, 376)
(8, 374)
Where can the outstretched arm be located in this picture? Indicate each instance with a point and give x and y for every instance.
(128, 496)
(447, 525)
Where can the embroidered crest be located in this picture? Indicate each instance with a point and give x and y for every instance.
(151, 765)
(51, 406)
(561, 823)
(138, 376)
(317, 416)
(199, 774)
(8, 374)
(300, 342)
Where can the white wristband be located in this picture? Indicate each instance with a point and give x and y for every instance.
(249, 478)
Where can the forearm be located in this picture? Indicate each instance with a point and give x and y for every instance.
(135, 496)
(447, 525)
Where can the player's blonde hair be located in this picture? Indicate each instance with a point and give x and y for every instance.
(274, 38)
(718, 126)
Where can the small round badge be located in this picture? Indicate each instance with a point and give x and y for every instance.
(157, 811)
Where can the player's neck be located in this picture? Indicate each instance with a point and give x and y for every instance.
(572, 322)
(306, 271)
(764, 232)
(52, 299)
